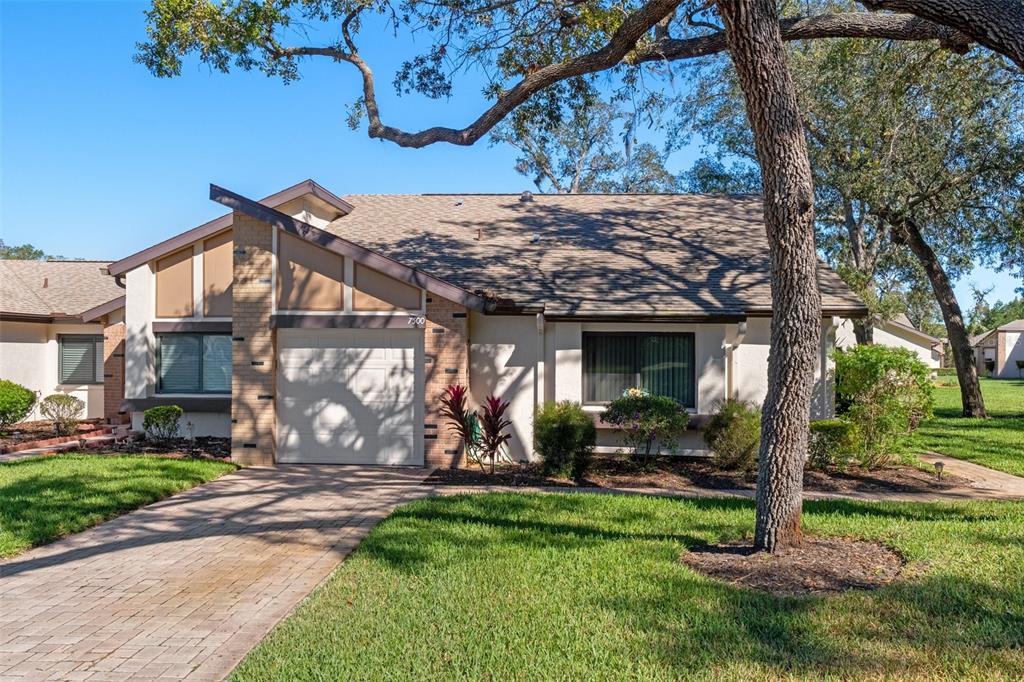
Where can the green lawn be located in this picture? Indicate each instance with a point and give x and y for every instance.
(558, 587)
(44, 498)
(997, 442)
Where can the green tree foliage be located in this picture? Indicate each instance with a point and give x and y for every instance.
(22, 252)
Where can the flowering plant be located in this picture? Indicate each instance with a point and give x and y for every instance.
(644, 420)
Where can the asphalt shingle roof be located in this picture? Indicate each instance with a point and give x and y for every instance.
(71, 287)
(586, 253)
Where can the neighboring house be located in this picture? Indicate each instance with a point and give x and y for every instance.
(61, 331)
(898, 333)
(997, 352)
(319, 329)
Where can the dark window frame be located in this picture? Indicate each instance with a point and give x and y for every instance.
(637, 369)
(159, 359)
(95, 339)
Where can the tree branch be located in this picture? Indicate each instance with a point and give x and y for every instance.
(996, 24)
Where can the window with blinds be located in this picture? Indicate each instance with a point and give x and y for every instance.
(194, 363)
(80, 359)
(660, 363)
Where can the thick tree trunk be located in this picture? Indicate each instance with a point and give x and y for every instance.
(756, 47)
(906, 231)
(864, 331)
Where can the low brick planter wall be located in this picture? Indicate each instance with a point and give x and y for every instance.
(56, 440)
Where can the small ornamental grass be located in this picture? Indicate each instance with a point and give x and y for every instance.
(63, 410)
(648, 423)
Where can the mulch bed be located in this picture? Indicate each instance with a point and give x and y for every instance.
(683, 472)
(205, 446)
(818, 566)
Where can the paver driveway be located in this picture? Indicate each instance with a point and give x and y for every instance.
(185, 587)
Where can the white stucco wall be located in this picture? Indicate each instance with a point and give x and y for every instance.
(29, 356)
(894, 337)
(511, 358)
(1014, 350)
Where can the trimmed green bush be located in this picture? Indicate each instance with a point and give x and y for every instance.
(16, 402)
(565, 436)
(734, 435)
(886, 393)
(833, 443)
(63, 410)
(161, 423)
(644, 420)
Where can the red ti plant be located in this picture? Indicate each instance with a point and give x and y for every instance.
(492, 423)
(455, 408)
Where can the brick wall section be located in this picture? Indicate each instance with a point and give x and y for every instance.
(253, 416)
(446, 351)
(113, 371)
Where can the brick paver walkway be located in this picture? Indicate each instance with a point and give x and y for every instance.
(185, 587)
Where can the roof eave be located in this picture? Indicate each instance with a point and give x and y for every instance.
(103, 309)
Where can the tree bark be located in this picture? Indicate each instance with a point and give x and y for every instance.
(906, 231)
(756, 47)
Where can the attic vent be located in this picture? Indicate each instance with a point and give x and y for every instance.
(535, 237)
(46, 282)
(526, 196)
(459, 201)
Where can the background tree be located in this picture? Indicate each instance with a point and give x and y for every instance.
(591, 147)
(528, 46)
(986, 317)
(22, 252)
(919, 169)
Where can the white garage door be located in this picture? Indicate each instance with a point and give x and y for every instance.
(349, 396)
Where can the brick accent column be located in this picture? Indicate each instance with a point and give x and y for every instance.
(1001, 354)
(446, 350)
(253, 411)
(113, 371)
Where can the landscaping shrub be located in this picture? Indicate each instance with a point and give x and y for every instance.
(161, 423)
(833, 443)
(16, 402)
(493, 423)
(63, 410)
(734, 434)
(644, 420)
(886, 393)
(565, 437)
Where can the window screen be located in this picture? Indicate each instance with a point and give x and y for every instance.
(80, 359)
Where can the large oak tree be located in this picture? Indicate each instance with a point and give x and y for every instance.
(530, 45)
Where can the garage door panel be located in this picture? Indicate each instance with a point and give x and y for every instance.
(349, 397)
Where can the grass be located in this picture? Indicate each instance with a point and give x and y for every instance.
(45, 498)
(553, 587)
(997, 442)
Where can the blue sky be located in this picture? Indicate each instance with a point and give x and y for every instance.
(101, 159)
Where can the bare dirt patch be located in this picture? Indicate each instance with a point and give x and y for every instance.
(669, 473)
(819, 566)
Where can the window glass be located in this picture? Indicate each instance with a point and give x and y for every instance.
(661, 364)
(194, 363)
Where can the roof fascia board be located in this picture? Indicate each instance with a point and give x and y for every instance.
(344, 247)
(103, 309)
(222, 223)
(911, 330)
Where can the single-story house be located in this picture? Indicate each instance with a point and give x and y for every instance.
(313, 328)
(997, 352)
(898, 332)
(62, 331)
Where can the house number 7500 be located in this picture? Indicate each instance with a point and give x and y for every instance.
(416, 320)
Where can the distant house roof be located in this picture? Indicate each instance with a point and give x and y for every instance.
(54, 289)
(588, 254)
(1014, 326)
(901, 321)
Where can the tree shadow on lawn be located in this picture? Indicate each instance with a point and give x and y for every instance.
(691, 623)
